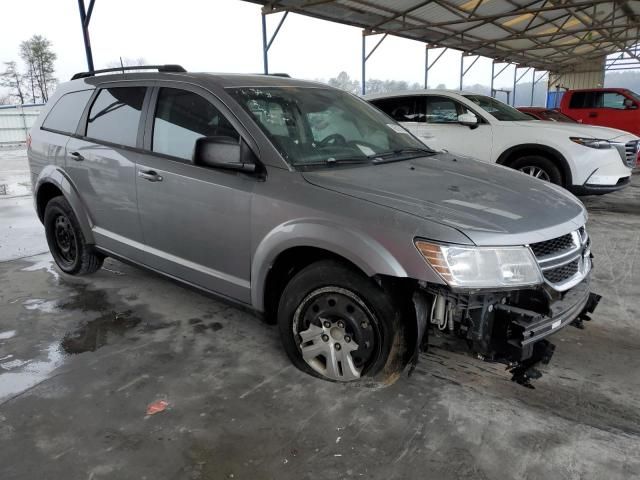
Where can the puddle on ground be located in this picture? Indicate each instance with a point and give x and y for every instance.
(43, 261)
(32, 373)
(7, 334)
(96, 333)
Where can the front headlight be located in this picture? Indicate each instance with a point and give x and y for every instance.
(482, 267)
(591, 142)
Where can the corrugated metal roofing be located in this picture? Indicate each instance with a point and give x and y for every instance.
(555, 35)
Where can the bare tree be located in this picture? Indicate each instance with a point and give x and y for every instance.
(13, 80)
(39, 58)
(5, 100)
(127, 62)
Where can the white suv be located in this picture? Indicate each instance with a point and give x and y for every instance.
(582, 158)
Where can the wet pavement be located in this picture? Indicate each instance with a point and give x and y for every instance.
(82, 358)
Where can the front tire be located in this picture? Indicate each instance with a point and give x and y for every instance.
(66, 242)
(339, 325)
(539, 167)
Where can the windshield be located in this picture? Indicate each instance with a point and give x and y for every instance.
(311, 126)
(501, 111)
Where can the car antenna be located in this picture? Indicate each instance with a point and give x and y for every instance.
(122, 65)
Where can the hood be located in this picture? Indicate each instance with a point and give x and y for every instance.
(490, 204)
(577, 130)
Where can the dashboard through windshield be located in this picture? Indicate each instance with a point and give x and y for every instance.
(315, 126)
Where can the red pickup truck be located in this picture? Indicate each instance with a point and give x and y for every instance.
(608, 107)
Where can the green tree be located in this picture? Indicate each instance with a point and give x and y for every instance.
(13, 80)
(38, 55)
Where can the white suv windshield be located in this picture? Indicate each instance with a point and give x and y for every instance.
(311, 126)
(501, 111)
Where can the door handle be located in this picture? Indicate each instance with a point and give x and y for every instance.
(150, 175)
(76, 156)
(593, 114)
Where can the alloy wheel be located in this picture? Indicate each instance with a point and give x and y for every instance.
(536, 172)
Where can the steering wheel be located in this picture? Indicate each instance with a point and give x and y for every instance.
(333, 139)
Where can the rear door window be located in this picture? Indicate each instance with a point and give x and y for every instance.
(403, 109)
(66, 113)
(586, 100)
(181, 118)
(115, 115)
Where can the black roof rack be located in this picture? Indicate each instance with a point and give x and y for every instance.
(160, 68)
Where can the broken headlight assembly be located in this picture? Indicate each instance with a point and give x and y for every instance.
(482, 267)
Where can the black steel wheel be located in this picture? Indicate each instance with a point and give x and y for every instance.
(66, 242)
(337, 324)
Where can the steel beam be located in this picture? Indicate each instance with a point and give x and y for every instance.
(428, 65)
(463, 71)
(366, 56)
(266, 45)
(85, 19)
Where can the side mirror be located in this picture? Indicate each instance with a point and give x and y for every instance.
(468, 120)
(629, 104)
(224, 152)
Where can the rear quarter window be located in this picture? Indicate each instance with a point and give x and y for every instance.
(65, 114)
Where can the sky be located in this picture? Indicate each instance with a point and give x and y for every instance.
(221, 36)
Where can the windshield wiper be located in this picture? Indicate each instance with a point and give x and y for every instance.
(336, 161)
(386, 157)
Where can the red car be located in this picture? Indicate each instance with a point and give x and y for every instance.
(606, 107)
(541, 113)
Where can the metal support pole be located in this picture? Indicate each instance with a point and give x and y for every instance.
(364, 63)
(365, 57)
(267, 45)
(515, 81)
(426, 66)
(265, 54)
(493, 69)
(533, 86)
(463, 71)
(85, 18)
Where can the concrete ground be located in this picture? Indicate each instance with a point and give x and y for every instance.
(82, 358)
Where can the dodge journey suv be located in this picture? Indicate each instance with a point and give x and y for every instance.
(316, 210)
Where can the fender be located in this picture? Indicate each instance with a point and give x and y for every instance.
(361, 250)
(56, 176)
(552, 152)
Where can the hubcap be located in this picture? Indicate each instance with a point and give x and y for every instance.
(335, 333)
(65, 239)
(536, 172)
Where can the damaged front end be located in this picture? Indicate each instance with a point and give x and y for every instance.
(511, 326)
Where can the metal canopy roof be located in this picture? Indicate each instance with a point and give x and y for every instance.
(554, 35)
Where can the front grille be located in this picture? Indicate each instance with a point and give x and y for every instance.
(560, 274)
(554, 246)
(631, 153)
(565, 260)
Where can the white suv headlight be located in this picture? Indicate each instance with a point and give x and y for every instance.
(591, 142)
(482, 267)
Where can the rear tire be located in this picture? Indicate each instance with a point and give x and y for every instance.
(539, 167)
(66, 242)
(339, 325)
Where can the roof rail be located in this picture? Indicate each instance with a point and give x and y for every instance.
(159, 68)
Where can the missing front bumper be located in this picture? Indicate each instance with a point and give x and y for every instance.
(507, 327)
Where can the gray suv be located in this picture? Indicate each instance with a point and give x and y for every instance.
(314, 209)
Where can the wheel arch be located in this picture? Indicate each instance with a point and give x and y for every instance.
(53, 182)
(291, 247)
(507, 157)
